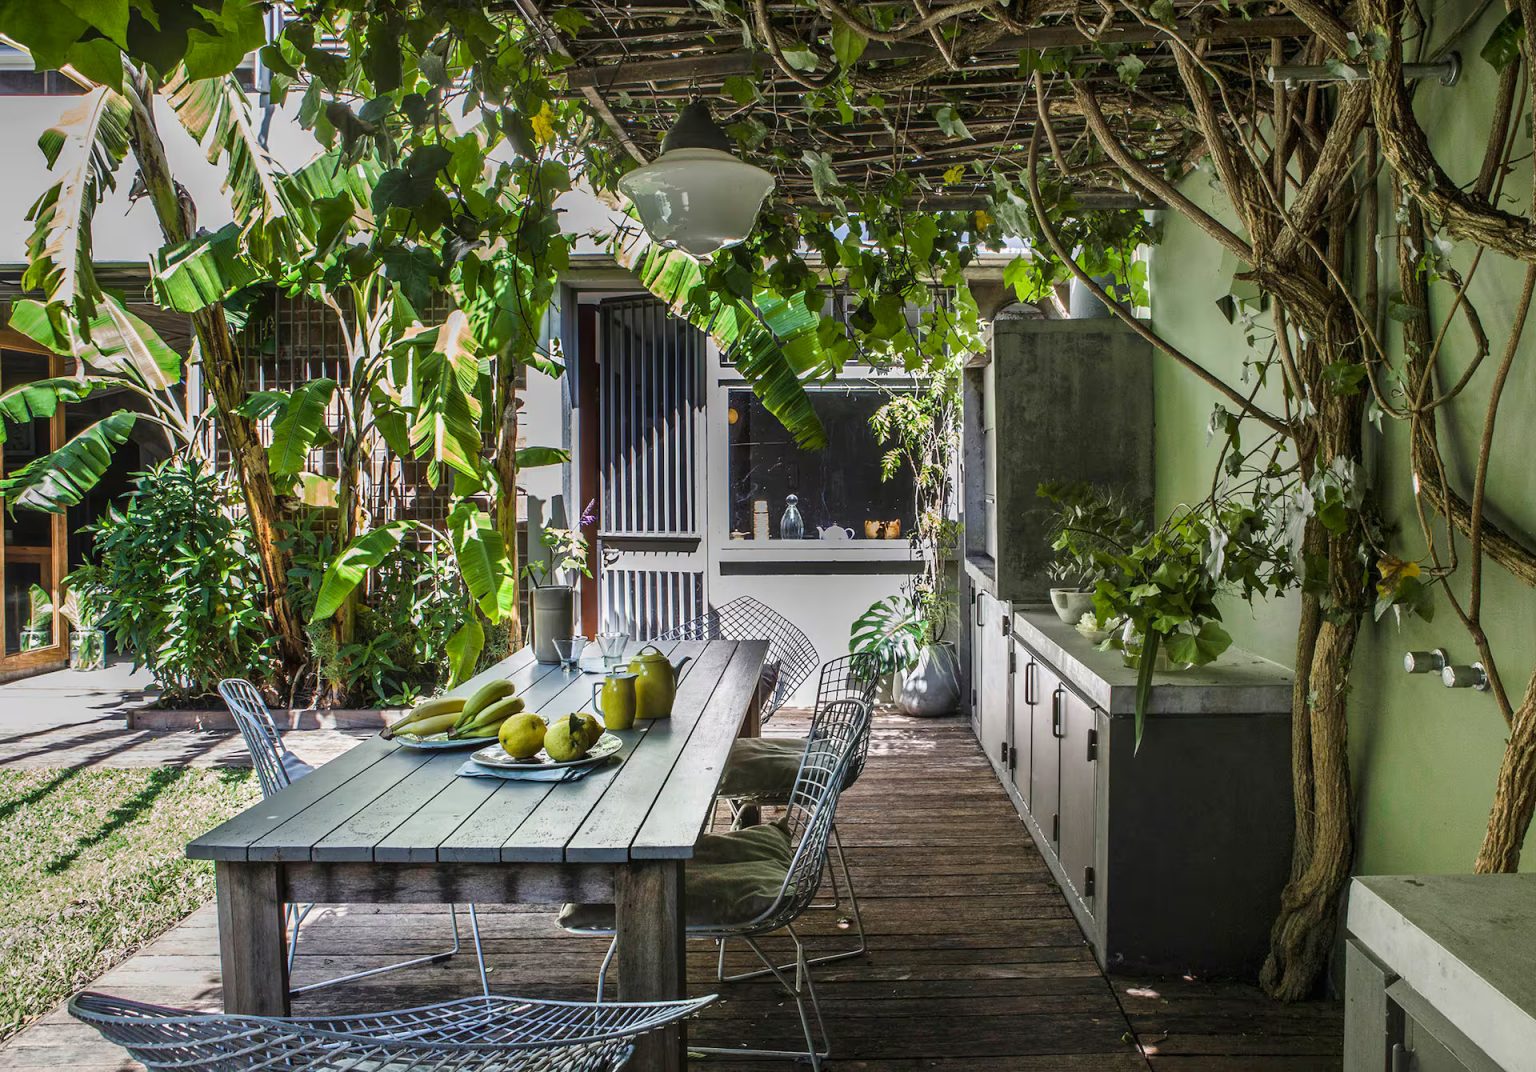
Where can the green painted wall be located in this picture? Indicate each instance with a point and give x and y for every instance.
(1424, 757)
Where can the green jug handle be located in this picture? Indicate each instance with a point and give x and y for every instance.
(650, 647)
(597, 697)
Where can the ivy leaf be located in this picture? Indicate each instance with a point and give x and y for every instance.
(1130, 68)
(847, 43)
(950, 122)
(570, 20)
(1503, 45)
(741, 89)
(801, 58)
(1199, 648)
(823, 178)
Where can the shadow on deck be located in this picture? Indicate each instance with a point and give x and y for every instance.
(975, 963)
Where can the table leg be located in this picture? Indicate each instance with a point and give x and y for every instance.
(253, 953)
(648, 903)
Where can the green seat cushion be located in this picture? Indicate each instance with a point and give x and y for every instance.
(733, 878)
(762, 768)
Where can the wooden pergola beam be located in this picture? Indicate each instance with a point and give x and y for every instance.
(1001, 54)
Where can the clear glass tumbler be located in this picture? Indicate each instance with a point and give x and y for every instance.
(612, 647)
(569, 649)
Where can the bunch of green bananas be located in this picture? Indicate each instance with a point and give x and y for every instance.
(431, 717)
(484, 712)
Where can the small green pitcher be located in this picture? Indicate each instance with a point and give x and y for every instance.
(615, 700)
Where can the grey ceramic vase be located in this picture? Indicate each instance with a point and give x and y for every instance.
(932, 687)
(554, 616)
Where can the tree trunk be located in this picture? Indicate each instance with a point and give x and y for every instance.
(506, 490)
(1514, 799)
(226, 383)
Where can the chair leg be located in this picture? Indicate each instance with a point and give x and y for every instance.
(803, 991)
(474, 934)
(602, 972)
(430, 958)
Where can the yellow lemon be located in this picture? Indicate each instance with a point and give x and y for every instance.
(522, 735)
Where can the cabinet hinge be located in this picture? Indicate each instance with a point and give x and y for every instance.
(1005, 753)
(1007, 625)
(1088, 882)
(1093, 745)
(1013, 759)
(1056, 829)
(1013, 661)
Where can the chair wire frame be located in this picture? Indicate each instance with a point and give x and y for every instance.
(809, 819)
(265, 744)
(490, 1033)
(791, 656)
(848, 685)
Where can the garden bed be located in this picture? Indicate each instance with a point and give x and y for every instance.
(149, 715)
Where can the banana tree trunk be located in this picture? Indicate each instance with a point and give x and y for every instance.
(506, 490)
(225, 379)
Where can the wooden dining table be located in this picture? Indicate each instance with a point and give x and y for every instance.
(387, 823)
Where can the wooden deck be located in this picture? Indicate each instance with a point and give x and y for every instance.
(975, 964)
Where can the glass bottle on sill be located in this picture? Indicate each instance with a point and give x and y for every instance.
(791, 525)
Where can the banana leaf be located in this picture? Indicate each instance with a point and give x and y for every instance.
(464, 649)
(298, 426)
(482, 557)
(200, 272)
(39, 400)
(84, 152)
(349, 568)
(119, 344)
(533, 457)
(59, 480)
(760, 335)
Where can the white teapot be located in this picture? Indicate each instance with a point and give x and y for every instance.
(835, 532)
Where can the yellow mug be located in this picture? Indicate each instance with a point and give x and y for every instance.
(614, 700)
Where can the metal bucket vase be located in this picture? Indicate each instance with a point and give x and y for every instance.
(554, 617)
(932, 687)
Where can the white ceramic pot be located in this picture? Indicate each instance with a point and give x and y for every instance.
(932, 687)
(1071, 603)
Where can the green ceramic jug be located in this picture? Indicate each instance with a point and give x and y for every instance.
(615, 700)
(655, 682)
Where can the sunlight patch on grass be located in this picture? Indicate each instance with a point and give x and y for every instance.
(91, 868)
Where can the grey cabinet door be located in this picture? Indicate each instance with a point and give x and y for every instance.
(1045, 753)
(995, 688)
(1079, 795)
(1026, 683)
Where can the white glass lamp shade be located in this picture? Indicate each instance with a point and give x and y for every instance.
(697, 200)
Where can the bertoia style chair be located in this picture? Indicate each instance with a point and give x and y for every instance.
(477, 1034)
(761, 772)
(277, 769)
(791, 656)
(750, 883)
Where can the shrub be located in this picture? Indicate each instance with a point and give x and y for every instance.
(178, 568)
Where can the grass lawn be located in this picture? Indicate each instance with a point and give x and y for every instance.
(91, 867)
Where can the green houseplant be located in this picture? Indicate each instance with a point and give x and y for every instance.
(84, 608)
(38, 633)
(1088, 526)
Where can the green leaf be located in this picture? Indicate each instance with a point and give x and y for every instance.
(482, 557)
(950, 122)
(1130, 68)
(39, 400)
(120, 344)
(464, 649)
(84, 152)
(1144, 684)
(847, 43)
(741, 89)
(1200, 648)
(203, 271)
(348, 569)
(823, 178)
(1503, 45)
(59, 480)
(800, 58)
(229, 33)
(533, 457)
(298, 426)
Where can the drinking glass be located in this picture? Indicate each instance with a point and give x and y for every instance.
(569, 649)
(612, 647)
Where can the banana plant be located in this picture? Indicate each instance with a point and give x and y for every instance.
(117, 352)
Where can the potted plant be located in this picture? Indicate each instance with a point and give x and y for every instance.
(554, 603)
(904, 634)
(38, 633)
(1089, 526)
(84, 608)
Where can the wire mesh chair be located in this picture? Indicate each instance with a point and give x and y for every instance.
(277, 769)
(807, 824)
(791, 655)
(478, 1034)
(846, 691)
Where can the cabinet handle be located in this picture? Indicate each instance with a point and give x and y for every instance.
(1029, 682)
(1056, 730)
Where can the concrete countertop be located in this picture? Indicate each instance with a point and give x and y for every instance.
(1466, 944)
(1239, 683)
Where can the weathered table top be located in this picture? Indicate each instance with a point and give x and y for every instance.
(384, 803)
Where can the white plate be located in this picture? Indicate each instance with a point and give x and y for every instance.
(496, 757)
(439, 742)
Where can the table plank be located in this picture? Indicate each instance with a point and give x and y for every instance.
(418, 838)
(231, 840)
(610, 828)
(678, 816)
(478, 837)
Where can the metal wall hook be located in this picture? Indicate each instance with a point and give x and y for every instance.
(1465, 677)
(1426, 662)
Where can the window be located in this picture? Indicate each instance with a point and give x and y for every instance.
(836, 487)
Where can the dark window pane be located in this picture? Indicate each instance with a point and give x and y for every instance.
(838, 486)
